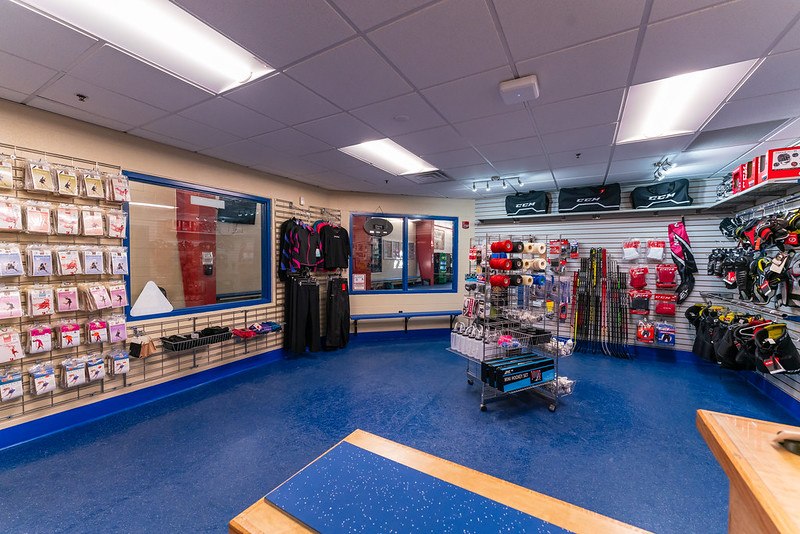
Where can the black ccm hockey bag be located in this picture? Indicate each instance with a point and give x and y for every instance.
(597, 198)
(530, 203)
(665, 195)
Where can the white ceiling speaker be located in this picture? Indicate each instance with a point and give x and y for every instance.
(520, 89)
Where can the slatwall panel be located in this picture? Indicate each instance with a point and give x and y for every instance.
(609, 230)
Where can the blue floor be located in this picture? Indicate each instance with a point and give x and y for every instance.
(624, 444)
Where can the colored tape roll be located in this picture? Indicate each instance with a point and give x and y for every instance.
(499, 280)
(502, 246)
(528, 248)
(527, 264)
(539, 248)
(515, 280)
(518, 246)
(539, 280)
(516, 263)
(539, 264)
(503, 264)
(527, 280)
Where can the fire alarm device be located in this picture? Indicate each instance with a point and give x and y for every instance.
(208, 263)
(464, 224)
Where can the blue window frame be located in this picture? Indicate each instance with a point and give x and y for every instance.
(418, 255)
(172, 228)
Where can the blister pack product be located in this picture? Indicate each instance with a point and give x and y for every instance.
(10, 214)
(92, 221)
(94, 296)
(66, 181)
(6, 172)
(665, 304)
(630, 250)
(95, 366)
(92, 184)
(10, 345)
(655, 250)
(92, 260)
(117, 223)
(10, 302)
(10, 385)
(66, 219)
(67, 299)
(645, 331)
(68, 334)
(117, 260)
(665, 276)
(574, 250)
(97, 331)
(119, 362)
(117, 330)
(40, 338)
(41, 300)
(117, 188)
(665, 334)
(10, 260)
(119, 297)
(639, 277)
(68, 261)
(38, 177)
(43, 378)
(74, 372)
(639, 301)
(37, 217)
(40, 260)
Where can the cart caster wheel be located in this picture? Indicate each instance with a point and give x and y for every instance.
(483, 407)
(469, 381)
(552, 407)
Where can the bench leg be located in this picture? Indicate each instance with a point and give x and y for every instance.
(406, 320)
(452, 320)
(355, 327)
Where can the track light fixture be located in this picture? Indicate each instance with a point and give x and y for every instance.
(487, 186)
(474, 187)
(519, 182)
(662, 166)
(505, 185)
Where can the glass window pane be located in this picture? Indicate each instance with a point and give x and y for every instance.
(377, 261)
(199, 248)
(430, 254)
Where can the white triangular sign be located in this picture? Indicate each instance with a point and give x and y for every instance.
(150, 301)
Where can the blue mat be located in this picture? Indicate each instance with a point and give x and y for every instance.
(353, 490)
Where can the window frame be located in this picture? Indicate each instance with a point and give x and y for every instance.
(266, 264)
(406, 290)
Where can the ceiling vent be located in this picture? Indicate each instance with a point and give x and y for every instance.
(433, 177)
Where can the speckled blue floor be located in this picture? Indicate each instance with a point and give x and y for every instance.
(624, 444)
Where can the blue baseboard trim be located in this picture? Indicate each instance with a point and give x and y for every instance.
(783, 399)
(50, 424)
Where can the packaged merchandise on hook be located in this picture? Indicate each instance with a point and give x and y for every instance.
(92, 259)
(630, 250)
(95, 366)
(10, 384)
(92, 184)
(37, 217)
(10, 302)
(10, 345)
(68, 261)
(6, 172)
(117, 330)
(66, 298)
(66, 181)
(92, 221)
(43, 378)
(67, 218)
(10, 260)
(40, 338)
(96, 331)
(117, 223)
(68, 334)
(40, 300)
(655, 250)
(117, 260)
(118, 188)
(40, 260)
(38, 177)
(10, 214)
(119, 362)
(94, 296)
(73, 372)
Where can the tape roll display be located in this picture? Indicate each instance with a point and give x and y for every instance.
(502, 246)
(499, 280)
(528, 248)
(539, 248)
(527, 280)
(518, 246)
(539, 264)
(503, 264)
(516, 263)
(515, 280)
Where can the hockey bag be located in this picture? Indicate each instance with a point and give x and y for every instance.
(530, 203)
(664, 195)
(597, 198)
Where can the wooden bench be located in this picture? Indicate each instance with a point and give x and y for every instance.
(405, 315)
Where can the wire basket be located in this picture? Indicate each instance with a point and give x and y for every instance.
(193, 343)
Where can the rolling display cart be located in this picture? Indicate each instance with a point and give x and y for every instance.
(508, 333)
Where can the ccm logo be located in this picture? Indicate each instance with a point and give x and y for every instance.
(661, 197)
(526, 205)
(590, 199)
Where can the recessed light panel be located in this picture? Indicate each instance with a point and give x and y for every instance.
(388, 156)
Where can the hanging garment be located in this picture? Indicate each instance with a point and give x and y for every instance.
(335, 247)
(338, 314)
(301, 313)
(683, 257)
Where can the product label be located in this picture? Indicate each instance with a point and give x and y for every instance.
(93, 262)
(41, 340)
(6, 176)
(10, 387)
(42, 180)
(42, 264)
(10, 304)
(40, 301)
(94, 186)
(10, 347)
(67, 183)
(117, 224)
(68, 262)
(119, 263)
(120, 192)
(10, 216)
(67, 299)
(10, 263)
(117, 332)
(96, 369)
(67, 221)
(38, 219)
(70, 335)
(100, 297)
(119, 297)
(98, 332)
(92, 222)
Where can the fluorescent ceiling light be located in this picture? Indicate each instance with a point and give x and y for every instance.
(388, 156)
(678, 105)
(148, 205)
(161, 33)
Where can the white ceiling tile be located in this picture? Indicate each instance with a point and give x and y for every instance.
(537, 28)
(758, 109)
(14, 96)
(671, 47)
(351, 75)
(190, 131)
(164, 139)
(340, 130)
(595, 171)
(599, 108)
(283, 99)
(370, 174)
(528, 146)
(432, 141)
(472, 97)
(579, 181)
(290, 166)
(472, 172)
(598, 154)
(452, 190)
(100, 101)
(641, 166)
(117, 71)
(790, 41)
(334, 160)
(21, 75)
(244, 153)
(76, 113)
(455, 158)
(778, 73)
(663, 9)
(656, 148)
(448, 40)
(789, 131)
(580, 139)
(291, 141)
(40, 39)
(404, 114)
(231, 117)
(497, 128)
(583, 70)
(276, 31)
(527, 164)
(367, 13)
(708, 161)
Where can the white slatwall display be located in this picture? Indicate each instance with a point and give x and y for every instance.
(610, 229)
